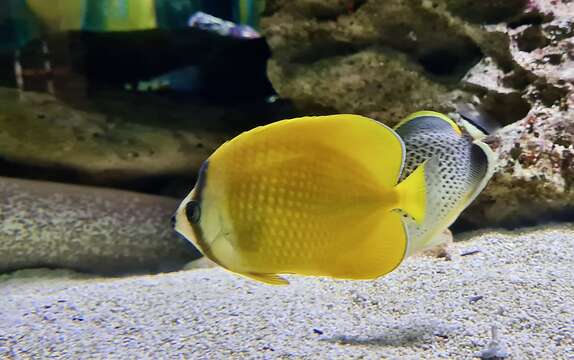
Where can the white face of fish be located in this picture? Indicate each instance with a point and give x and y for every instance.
(201, 221)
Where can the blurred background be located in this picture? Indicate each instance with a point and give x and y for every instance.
(190, 67)
(133, 95)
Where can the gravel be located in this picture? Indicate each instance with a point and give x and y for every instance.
(91, 229)
(512, 299)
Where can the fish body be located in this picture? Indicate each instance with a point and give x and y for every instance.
(245, 12)
(187, 79)
(58, 14)
(132, 15)
(222, 27)
(309, 196)
(100, 15)
(462, 166)
(31, 19)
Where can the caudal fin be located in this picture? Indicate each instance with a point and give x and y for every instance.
(412, 194)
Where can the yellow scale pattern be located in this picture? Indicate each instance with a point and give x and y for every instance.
(296, 204)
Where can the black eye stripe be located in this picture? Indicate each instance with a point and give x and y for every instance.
(193, 211)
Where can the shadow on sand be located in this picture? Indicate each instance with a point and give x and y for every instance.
(398, 335)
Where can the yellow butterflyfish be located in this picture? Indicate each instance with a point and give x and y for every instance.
(315, 196)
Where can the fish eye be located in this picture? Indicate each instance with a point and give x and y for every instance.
(193, 211)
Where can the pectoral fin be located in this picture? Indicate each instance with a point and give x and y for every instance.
(412, 194)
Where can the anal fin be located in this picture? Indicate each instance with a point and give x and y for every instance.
(271, 279)
(378, 252)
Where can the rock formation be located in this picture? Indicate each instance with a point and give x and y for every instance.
(386, 59)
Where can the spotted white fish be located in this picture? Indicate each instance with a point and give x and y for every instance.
(462, 166)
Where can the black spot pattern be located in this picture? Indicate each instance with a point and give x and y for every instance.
(449, 176)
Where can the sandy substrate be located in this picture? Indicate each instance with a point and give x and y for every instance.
(520, 283)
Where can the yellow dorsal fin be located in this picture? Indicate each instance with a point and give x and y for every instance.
(271, 279)
(412, 194)
(371, 144)
(419, 114)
